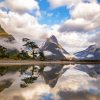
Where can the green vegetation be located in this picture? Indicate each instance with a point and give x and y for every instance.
(31, 73)
(41, 57)
(31, 51)
(23, 55)
(5, 84)
(36, 53)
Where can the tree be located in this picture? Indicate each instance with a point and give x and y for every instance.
(2, 52)
(41, 55)
(31, 45)
(23, 55)
(12, 54)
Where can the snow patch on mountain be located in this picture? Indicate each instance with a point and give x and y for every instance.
(91, 53)
(48, 53)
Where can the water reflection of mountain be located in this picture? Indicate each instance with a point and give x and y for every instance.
(87, 69)
(50, 73)
(50, 80)
(51, 76)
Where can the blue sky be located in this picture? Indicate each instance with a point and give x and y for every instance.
(98, 1)
(50, 15)
(1, 0)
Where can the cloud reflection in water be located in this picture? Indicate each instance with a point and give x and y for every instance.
(52, 82)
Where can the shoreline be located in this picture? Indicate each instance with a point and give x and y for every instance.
(30, 62)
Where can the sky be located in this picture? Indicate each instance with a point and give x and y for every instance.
(75, 23)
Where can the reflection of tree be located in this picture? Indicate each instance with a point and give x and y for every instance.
(8, 69)
(34, 73)
(3, 70)
(29, 80)
(31, 76)
(23, 69)
(5, 84)
(12, 69)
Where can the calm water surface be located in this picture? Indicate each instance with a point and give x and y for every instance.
(50, 82)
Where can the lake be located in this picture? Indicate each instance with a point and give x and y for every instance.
(50, 82)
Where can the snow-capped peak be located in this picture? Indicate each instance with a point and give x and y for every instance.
(92, 48)
(91, 53)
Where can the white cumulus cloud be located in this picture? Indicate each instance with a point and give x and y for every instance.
(87, 11)
(70, 3)
(20, 5)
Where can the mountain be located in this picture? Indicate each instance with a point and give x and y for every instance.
(3, 33)
(53, 50)
(91, 53)
(5, 36)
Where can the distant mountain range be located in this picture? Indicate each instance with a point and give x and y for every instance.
(91, 53)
